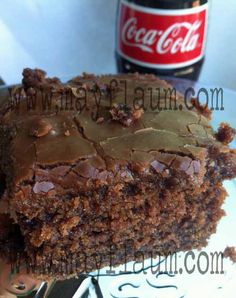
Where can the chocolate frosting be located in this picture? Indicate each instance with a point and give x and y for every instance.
(63, 136)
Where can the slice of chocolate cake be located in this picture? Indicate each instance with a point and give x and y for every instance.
(100, 168)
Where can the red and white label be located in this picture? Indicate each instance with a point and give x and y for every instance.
(160, 37)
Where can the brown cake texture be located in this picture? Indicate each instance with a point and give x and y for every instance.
(230, 252)
(98, 169)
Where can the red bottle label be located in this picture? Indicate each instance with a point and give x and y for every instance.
(161, 38)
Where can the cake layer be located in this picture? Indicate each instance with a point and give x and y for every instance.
(152, 226)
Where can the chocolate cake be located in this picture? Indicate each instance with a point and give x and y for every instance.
(99, 170)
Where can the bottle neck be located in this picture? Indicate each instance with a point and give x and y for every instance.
(169, 4)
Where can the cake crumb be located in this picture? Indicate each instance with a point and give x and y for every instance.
(225, 133)
(125, 114)
(203, 110)
(230, 252)
(86, 75)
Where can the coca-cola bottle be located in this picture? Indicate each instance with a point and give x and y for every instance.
(164, 37)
